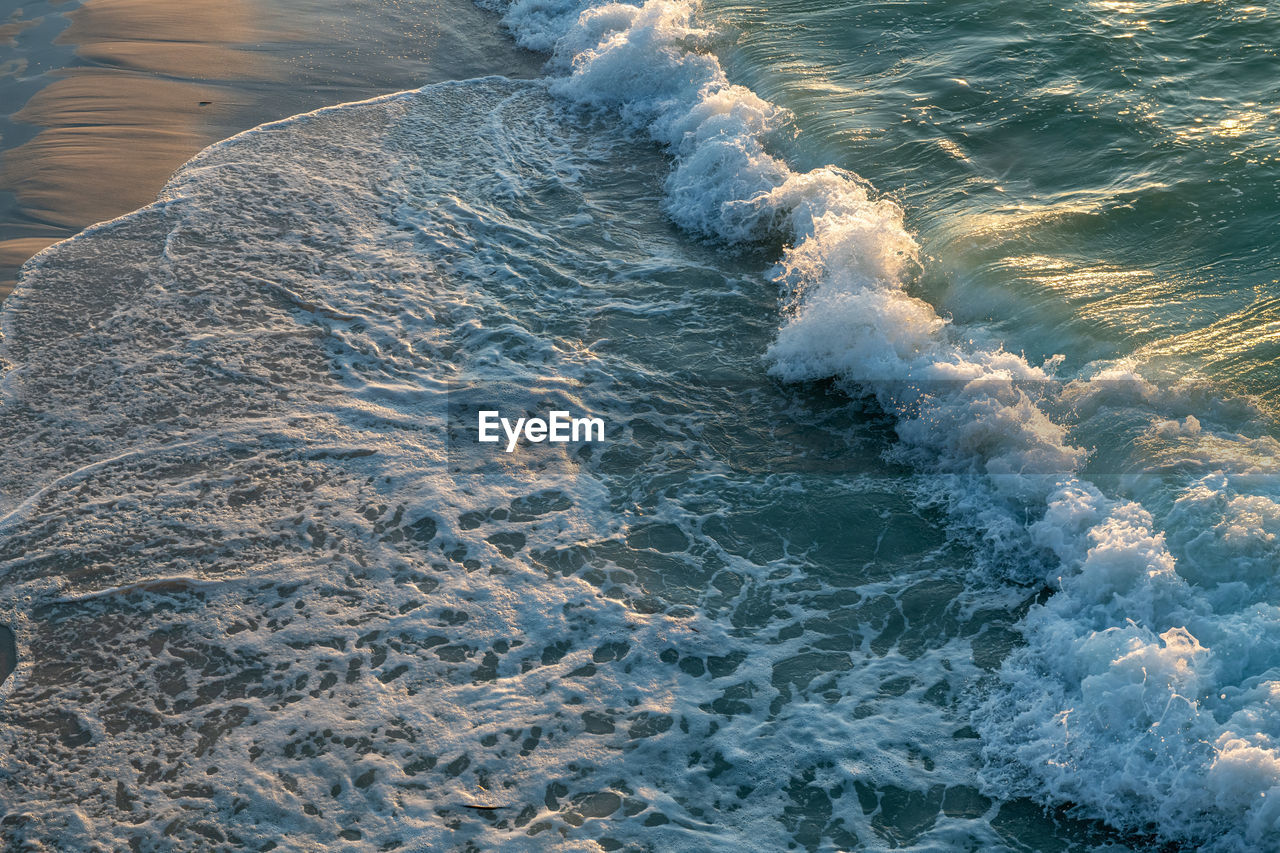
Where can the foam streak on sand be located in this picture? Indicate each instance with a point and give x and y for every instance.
(1128, 698)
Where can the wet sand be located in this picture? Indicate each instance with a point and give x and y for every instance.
(202, 39)
(128, 90)
(109, 142)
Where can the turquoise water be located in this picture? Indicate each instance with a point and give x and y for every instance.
(937, 508)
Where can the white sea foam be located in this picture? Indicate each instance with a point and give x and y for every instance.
(1145, 691)
(262, 594)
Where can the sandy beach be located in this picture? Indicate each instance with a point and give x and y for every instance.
(102, 101)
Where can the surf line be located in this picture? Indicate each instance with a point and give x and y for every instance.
(559, 427)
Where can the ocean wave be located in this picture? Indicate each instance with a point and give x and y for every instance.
(1144, 691)
(237, 536)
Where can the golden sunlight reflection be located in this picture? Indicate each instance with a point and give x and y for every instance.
(1117, 297)
(1236, 124)
(1240, 335)
(1122, 14)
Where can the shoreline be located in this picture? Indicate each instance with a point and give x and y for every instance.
(153, 82)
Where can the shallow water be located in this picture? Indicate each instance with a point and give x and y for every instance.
(919, 523)
(583, 640)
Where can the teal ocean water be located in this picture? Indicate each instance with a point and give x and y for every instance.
(1096, 180)
(938, 504)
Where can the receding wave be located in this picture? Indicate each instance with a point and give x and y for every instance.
(263, 597)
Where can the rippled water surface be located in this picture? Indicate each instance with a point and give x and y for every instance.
(938, 506)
